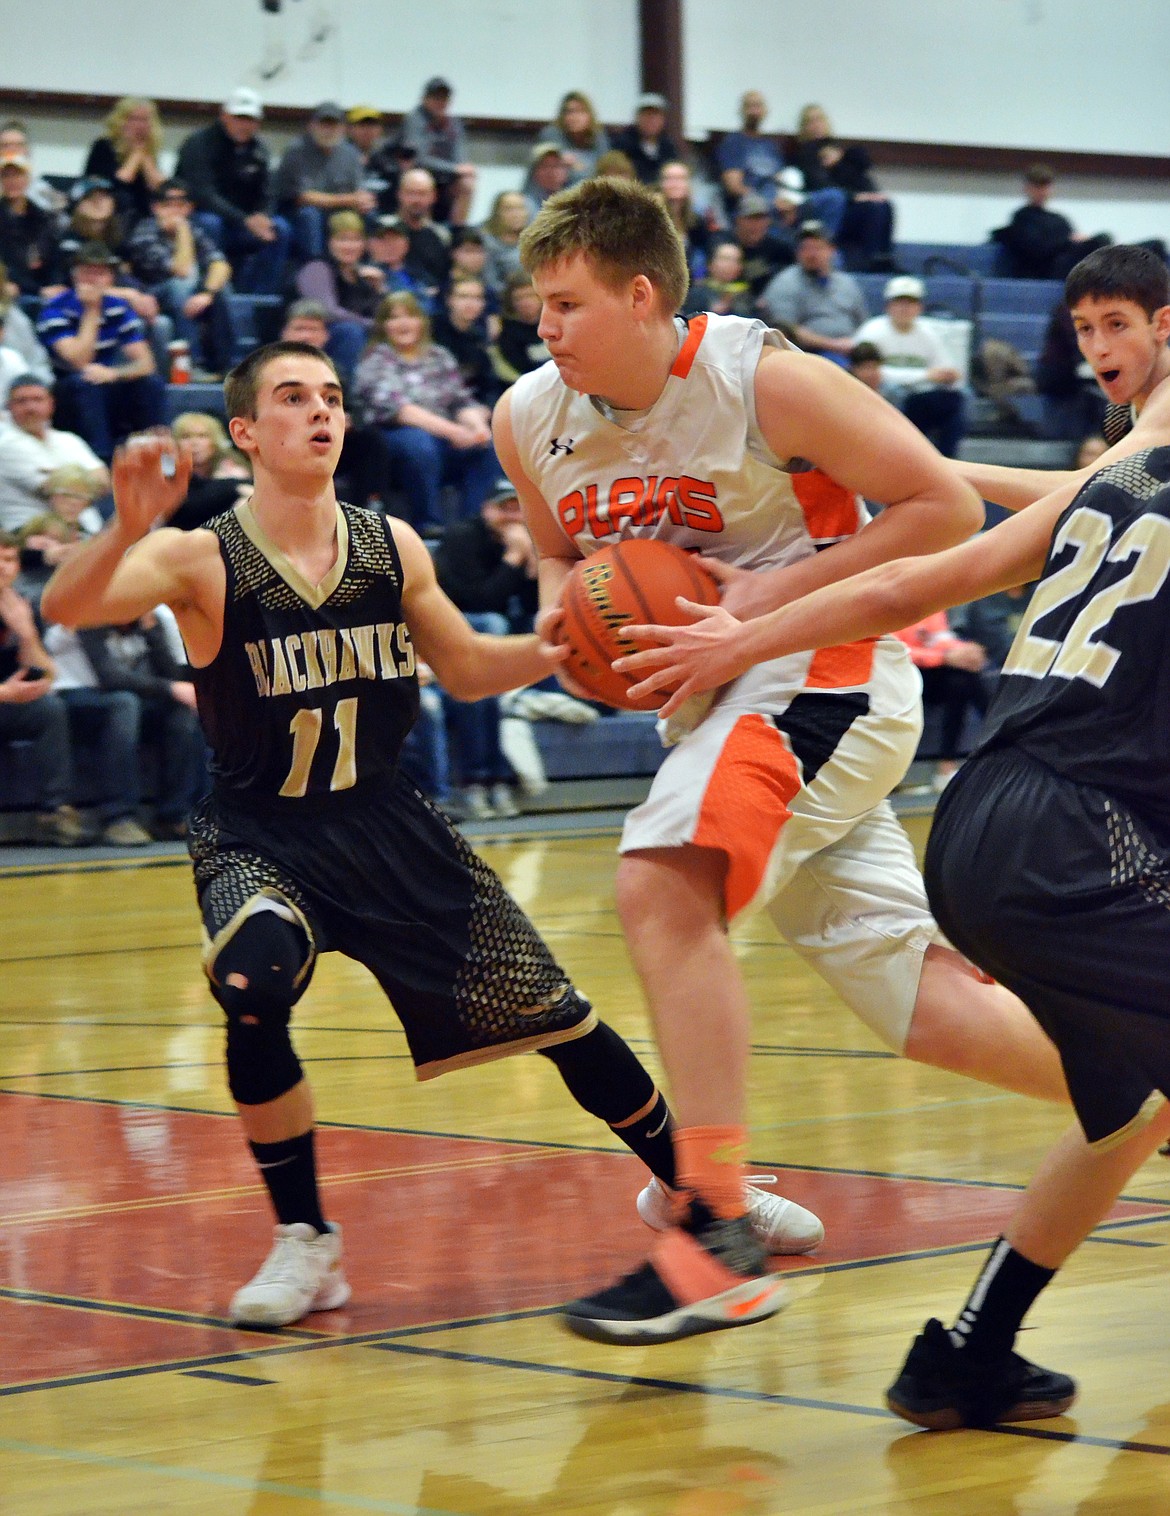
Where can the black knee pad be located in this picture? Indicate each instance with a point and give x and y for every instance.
(270, 958)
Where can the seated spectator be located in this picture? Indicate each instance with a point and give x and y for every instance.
(822, 305)
(580, 136)
(615, 165)
(363, 470)
(20, 335)
(138, 659)
(69, 518)
(510, 214)
(213, 488)
(388, 247)
(865, 228)
(950, 667)
(993, 622)
(31, 712)
(674, 185)
(128, 157)
(724, 291)
(107, 383)
(748, 160)
(461, 327)
(1039, 243)
(94, 220)
(31, 449)
(646, 142)
(436, 432)
(548, 172)
(429, 254)
(487, 565)
(425, 756)
(437, 143)
(519, 348)
(28, 233)
(320, 174)
(177, 263)
(348, 286)
(226, 168)
(364, 131)
(468, 255)
(917, 374)
(766, 248)
(14, 143)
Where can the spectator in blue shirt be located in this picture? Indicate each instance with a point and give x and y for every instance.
(107, 384)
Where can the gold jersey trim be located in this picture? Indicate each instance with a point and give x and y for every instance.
(314, 595)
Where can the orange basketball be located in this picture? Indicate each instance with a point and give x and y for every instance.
(631, 581)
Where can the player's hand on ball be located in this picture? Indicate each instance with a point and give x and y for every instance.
(150, 480)
(549, 627)
(685, 659)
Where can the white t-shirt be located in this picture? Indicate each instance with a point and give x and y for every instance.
(27, 461)
(906, 356)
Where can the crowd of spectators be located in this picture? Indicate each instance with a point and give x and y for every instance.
(362, 230)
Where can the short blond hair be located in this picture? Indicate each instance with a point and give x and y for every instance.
(72, 479)
(346, 221)
(620, 227)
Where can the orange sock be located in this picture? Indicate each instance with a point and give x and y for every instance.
(710, 1163)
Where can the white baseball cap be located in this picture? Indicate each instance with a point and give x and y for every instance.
(244, 102)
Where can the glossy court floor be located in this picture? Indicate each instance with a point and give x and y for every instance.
(473, 1206)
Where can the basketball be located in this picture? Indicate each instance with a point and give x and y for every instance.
(632, 581)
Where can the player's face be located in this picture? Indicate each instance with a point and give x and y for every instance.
(299, 424)
(587, 326)
(1125, 348)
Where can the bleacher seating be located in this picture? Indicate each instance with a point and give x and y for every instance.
(195, 397)
(982, 258)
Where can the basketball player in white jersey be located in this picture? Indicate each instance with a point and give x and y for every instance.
(717, 435)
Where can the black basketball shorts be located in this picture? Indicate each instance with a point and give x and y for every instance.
(387, 880)
(1063, 894)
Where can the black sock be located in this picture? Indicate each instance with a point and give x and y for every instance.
(605, 1078)
(1007, 1285)
(289, 1169)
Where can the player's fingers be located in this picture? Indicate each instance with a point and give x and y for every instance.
(660, 679)
(723, 572)
(680, 696)
(653, 636)
(652, 657)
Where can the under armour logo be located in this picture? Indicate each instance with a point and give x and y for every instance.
(557, 446)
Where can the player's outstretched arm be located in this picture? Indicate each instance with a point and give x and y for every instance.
(716, 647)
(105, 582)
(468, 664)
(1015, 488)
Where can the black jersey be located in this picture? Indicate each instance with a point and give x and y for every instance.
(313, 689)
(1086, 686)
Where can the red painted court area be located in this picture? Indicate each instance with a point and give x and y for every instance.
(124, 1231)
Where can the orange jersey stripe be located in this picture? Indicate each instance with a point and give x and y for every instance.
(835, 668)
(830, 510)
(696, 330)
(745, 805)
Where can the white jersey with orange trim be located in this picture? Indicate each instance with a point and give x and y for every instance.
(695, 470)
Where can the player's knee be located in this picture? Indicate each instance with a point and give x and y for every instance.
(257, 975)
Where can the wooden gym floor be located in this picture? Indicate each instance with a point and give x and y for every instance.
(471, 1207)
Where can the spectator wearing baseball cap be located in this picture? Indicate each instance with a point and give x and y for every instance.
(766, 247)
(438, 142)
(646, 142)
(918, 375)
(821, 305)
(28, 234)
(320, 173)
(107, 383)
(390, 250)
(227, 169)
(548, 172)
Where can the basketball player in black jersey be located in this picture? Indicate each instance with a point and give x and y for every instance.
(302, 619)
(1119, 300)
(1049, 858)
